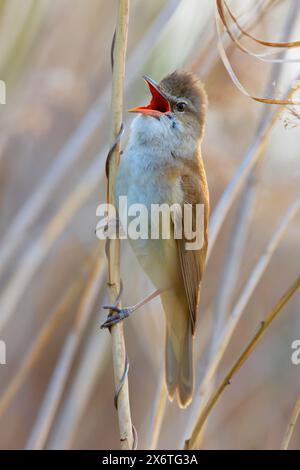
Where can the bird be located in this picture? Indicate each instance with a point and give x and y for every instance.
(162, 164)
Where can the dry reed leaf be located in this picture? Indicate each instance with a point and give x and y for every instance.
(265, 57)
(220, 7)
(229, 68)
(291, 426)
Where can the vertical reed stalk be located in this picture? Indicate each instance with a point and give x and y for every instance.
(113, 252)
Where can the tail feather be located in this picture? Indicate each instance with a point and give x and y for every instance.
(185, 383)
(179, 368)
(171, 368)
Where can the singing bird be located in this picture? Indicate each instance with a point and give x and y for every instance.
(162, 164)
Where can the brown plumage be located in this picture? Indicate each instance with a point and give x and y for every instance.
(163, 164)
(187, 85)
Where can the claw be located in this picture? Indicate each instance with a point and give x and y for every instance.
(113, 308)
(121, 314)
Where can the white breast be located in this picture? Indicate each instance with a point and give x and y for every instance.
(141, 177)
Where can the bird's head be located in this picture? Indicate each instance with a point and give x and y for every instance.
(178, 101)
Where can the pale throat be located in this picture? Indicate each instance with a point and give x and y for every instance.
(161, 140)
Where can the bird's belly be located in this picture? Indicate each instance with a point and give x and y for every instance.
(145, 188)
(158, 257)
(159, 260)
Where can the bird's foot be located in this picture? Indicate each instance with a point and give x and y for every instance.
(120, 315)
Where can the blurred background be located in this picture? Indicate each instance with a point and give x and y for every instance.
(56, 389)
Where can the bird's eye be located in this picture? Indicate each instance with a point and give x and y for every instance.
(181, 106)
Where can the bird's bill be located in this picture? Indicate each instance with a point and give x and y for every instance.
(158, 105)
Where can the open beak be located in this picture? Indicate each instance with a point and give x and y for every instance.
(158, 105)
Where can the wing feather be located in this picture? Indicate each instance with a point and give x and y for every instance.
(192, 262)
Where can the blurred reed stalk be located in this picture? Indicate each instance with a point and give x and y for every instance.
(40, 343)
(223, 340)
(159, 412)
(205, 62)
(245, 175)
(31, 259)
(242, 221)
(90, 366)
(195, 439)
(48, 236)
(113, 246)
(32, 256)
(73, 149)
(19, 26)
(57, 385)
(291, 427)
